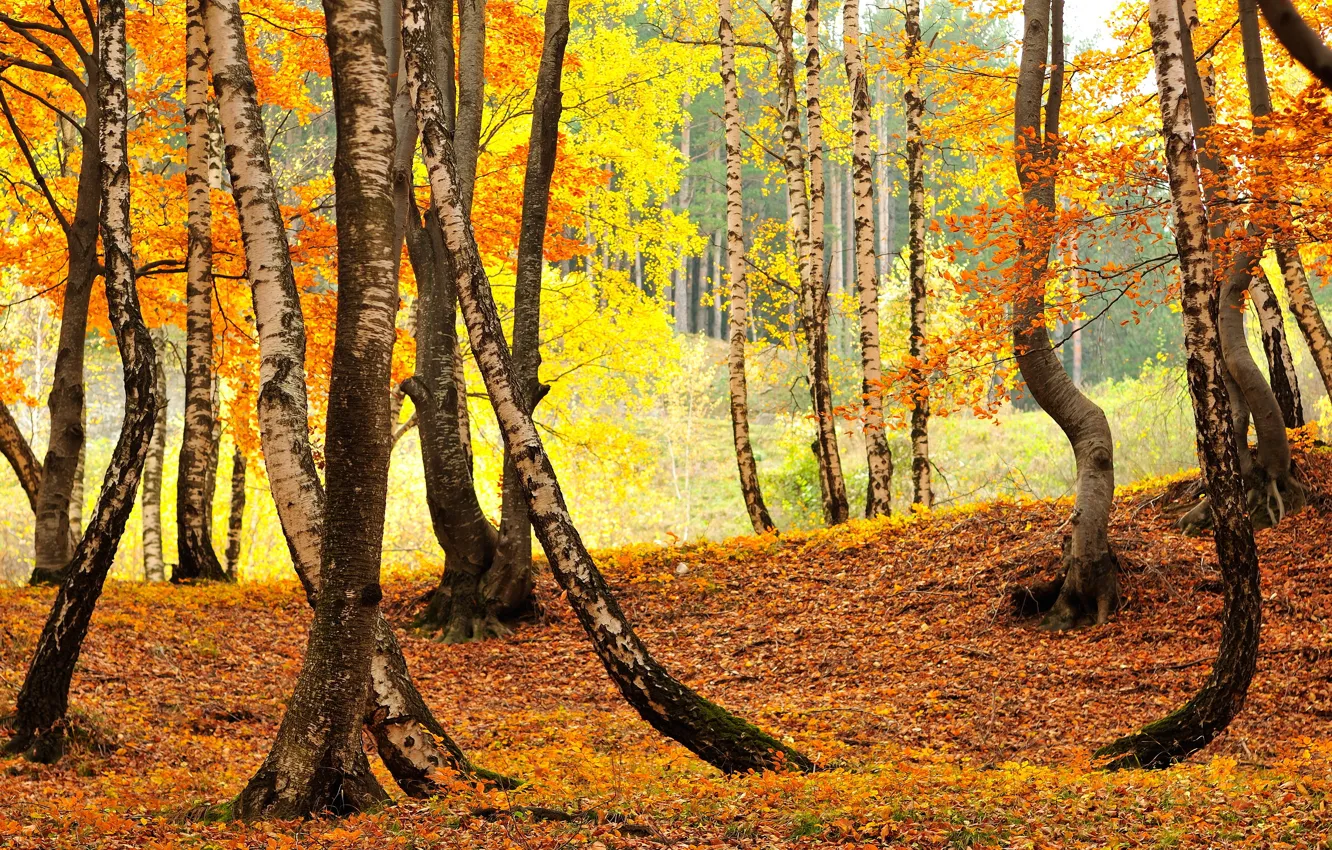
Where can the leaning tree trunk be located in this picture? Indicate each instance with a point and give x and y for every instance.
(1300, 40)
(317, 762)
(714, 734)
(198, 457)
(236, 513)
(1185, 731)
(39, 714)
(19, 454)
(1280, 365)
(878, 493)
(922, 490)
(1273, 490)
(738, 319)
(1090, 590)
(410, 741)
(154, 565)
(52, 535)
(814, 288)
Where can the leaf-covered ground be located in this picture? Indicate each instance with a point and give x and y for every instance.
(885, 649)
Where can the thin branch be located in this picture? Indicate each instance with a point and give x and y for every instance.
(32, 162)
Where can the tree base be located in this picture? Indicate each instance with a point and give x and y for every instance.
(42, 577)
(1267, 504)
(328, 789)
(451, 621)
(45, 747)
(1083, 595)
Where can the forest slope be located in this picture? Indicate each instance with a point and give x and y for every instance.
(887, 650)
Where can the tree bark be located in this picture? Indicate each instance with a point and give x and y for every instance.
(39, 716)
(816, 307)
(1273, 491)
(510, 582)
(198, 452)
(922, 490)
(53, 537)
(1281, 367)
(19, 454)
(878, 493)
(1299, 39)
(738, 321)
(813, 300)
(1190, 728)
(317, 763)
(405, 732)
(236, 515)
(154, 566)
(714, 734)
(1090, 590)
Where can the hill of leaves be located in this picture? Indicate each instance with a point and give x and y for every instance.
(888, 650)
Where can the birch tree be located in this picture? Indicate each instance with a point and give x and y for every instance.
(198, 458)
(709, 731)
(922, 490)
(409, 739)
(738, 318)
(154, 565)
(878, 496)
(813, 299)
(39, 711)
(317, 762)
(1193, 726)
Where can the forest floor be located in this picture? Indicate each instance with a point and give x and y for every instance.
(886, 650)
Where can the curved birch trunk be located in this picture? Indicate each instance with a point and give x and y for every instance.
(922, 490)
(1273, 491)
(673, 709)
(198, 457)
(1209, 712)
(39, 717)
(738, 318)
(878, 494)
(1090, 590)
(18, 452)
(154, 566)
(317, 763)
(395, 713)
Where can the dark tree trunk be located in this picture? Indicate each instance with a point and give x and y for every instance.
(39, 716)
(714, 734)
(1090, 590)
(19, 454)
(1193, 726)
(198, 449)
(236, 515)
(1299, 39)
(402, 726)
(509, 584)
(317, 763)
(53, 537)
